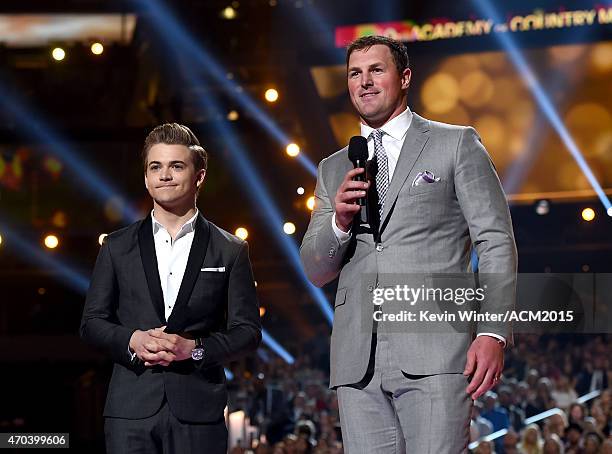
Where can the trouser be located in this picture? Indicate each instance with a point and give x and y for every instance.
(163, 433)
(393, 412)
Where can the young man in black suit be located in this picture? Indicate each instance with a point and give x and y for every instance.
(171, 298)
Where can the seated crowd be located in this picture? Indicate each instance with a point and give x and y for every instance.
(295, 412)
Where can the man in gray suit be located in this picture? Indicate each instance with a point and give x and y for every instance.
(434, 196)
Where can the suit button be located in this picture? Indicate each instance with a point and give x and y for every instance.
(370, 288)
(332, 252)
(379, 247)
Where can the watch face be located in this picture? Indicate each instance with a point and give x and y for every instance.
(197, 354)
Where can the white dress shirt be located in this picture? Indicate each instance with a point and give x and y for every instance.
(172, 258)
(392, 140)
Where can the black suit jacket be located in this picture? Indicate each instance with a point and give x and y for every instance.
(125, 295)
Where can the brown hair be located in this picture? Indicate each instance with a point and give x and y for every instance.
(397, 48)
(176, 134)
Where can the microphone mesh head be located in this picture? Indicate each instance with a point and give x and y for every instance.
(358, 149)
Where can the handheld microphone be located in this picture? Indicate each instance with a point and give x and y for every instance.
(358, 154)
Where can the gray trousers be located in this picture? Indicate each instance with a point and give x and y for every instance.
(398, 413)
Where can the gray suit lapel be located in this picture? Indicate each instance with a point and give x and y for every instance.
(415, 141)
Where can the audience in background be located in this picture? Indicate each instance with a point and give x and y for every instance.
(296, 413)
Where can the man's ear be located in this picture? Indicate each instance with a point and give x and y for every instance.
(406, 78)
(200, 178)
(146, 182)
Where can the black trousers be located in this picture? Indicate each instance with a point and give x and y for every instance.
(163, 433)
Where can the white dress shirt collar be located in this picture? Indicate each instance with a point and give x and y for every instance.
(187, 227)
(397, 127)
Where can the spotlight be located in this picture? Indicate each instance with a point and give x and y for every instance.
(293, 150)
(542, 207)
(97, 48)
(0, 239)
(101, 238)
(289, 228)
(228, 13)
(609, 211)
(42, 291)
(271, 95)
(310, 202)
(588, 214)
(232, 115)
(242, 233)
(58, 54)
(51, 241)
(300, 190)
(262, 311)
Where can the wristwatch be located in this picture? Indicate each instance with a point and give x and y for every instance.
(197, 354)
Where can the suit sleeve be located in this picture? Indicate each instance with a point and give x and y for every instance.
(243, 333)
(486, 211)
(99, 324)
(321, 253)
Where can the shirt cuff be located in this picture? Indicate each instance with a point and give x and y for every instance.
(131, 354)
(342, 237)
(502, 339)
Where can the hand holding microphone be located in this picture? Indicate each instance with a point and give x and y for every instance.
(351, 194)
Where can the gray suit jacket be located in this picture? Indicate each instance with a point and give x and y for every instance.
(424, 229)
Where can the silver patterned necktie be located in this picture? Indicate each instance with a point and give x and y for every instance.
(382, 175)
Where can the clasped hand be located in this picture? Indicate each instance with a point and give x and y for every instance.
(157, 348)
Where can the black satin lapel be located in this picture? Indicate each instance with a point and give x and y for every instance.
(192, 271)
(149, 263)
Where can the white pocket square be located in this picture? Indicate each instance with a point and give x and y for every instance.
(220, 269)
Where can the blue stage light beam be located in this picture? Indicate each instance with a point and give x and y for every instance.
(307, 163)
(517, 170)
(203, 60)
(32, 126)
(263, 355)
(543, 101)
(78, 281)
(320, 29)
(35, 255)
(556, 82)
(276, 347)
(174, 36)
(260, 196)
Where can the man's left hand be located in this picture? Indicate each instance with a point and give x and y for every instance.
(485, 363)
(176, 344)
